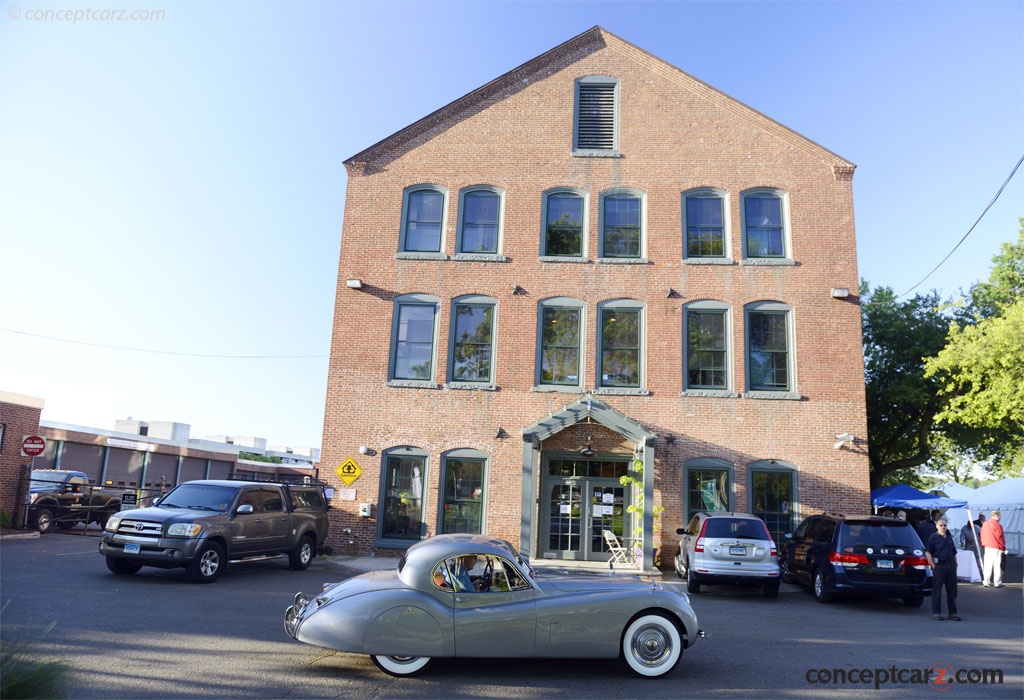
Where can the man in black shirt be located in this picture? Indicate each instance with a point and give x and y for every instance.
(941, 553)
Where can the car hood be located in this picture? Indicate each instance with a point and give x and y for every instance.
(162, 515)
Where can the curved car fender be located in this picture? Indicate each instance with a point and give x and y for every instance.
(406, 630)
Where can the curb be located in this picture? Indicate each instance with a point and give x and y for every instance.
(19, 535)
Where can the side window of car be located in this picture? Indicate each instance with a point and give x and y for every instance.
(250, 497)
(694, 527)
(272, 501)
(441, 578)
(824, 531)
(506, 577)
(805, 527)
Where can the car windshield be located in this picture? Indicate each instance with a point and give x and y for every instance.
(199, 497)
(42, 475)
(738, 528)
(878, 534)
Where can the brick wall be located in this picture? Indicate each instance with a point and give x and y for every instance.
(675, 134)
(19, 416)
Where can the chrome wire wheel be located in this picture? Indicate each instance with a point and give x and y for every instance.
(651, 645)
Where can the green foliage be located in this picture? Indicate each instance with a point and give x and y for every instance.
(901, 401)
(253, 457)
(634, 479)
(5, 520)
(1005, 285)
(24, 675)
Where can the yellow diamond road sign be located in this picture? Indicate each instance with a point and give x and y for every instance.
(349, 471)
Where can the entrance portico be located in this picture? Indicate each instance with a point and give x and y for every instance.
(570, 496)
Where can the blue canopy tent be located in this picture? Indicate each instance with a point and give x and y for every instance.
(903, 496)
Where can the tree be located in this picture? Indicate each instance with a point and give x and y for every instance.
(901, 401)
(1005, 285)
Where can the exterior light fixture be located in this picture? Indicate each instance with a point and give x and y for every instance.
(354, 284)
(587, 451)
(840, 292)
(501, 434)
(517, 290)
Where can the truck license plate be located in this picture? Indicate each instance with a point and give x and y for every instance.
(740, 551)
(885, 564)
(130, 548)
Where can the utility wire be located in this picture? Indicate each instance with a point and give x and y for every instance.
(164, 352)
(985, 211)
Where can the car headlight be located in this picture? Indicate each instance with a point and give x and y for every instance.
(184, 530)
(112, 522)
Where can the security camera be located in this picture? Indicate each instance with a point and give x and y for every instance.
(846, 439)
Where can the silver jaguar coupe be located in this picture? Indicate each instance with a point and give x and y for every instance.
(474, 596)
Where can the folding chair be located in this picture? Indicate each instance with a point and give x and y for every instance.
(618, 552)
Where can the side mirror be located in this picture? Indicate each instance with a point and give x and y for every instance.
(680, 530)
(788, 535)
(244, 509)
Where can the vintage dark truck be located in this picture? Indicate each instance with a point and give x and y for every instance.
(63, 498)
(204, 525)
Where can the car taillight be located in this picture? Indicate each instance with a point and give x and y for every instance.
(775, 550)
(699, 545)
(916, 562)
(847, 559)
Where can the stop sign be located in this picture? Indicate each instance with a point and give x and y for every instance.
(32, 446)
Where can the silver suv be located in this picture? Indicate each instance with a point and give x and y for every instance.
(732, 548)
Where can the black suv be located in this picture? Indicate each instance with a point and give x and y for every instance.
(858, 554)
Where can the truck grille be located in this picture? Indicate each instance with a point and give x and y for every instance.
(139, 528)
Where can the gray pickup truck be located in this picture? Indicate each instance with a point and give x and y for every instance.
(203, 525)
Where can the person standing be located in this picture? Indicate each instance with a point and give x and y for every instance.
(993, 541)
(941, 554)
(926, 528)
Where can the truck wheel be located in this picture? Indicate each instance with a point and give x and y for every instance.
(122, 567)
(44, 520)
(208, 565)
(300, 557)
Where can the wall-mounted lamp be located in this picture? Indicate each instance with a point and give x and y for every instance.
(670, 439)
(587, 451)
(363, 449)
(501, 434)
(517, 290)
(672, 294)
(840, 292)
(354, 284)
(843, 440)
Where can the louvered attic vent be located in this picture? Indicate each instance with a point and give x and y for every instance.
(595, 121)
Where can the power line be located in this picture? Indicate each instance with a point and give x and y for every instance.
(985, 211)
(164, 352)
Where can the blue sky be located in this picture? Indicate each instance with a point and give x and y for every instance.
(174, 188)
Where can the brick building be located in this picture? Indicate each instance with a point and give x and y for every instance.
(594, 266)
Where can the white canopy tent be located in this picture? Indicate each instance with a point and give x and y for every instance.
(1006, 496)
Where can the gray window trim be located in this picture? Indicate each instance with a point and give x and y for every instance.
(787, 255)
(413, 300)
(593, 80)
(473, 300)
(419, 254)
(400, 451)
(642, 256)
(584, 233)
(560, 303)
(621, 305)
(709, 305)
(770, 307)
(698, 464)
(471, 255)
(726, 257)
(463, 453)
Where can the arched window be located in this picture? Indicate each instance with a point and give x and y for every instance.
(564, 234)
(423, 212)
(705, 228)
(480, 212)
(560, 333)
(764, 224)
(464, 496)
(620, 356)
(413, 340)
(706, 357)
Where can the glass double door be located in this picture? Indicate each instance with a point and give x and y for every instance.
(577, 512)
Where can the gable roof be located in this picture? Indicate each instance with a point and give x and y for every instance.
(590, 41)
(588, 409)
